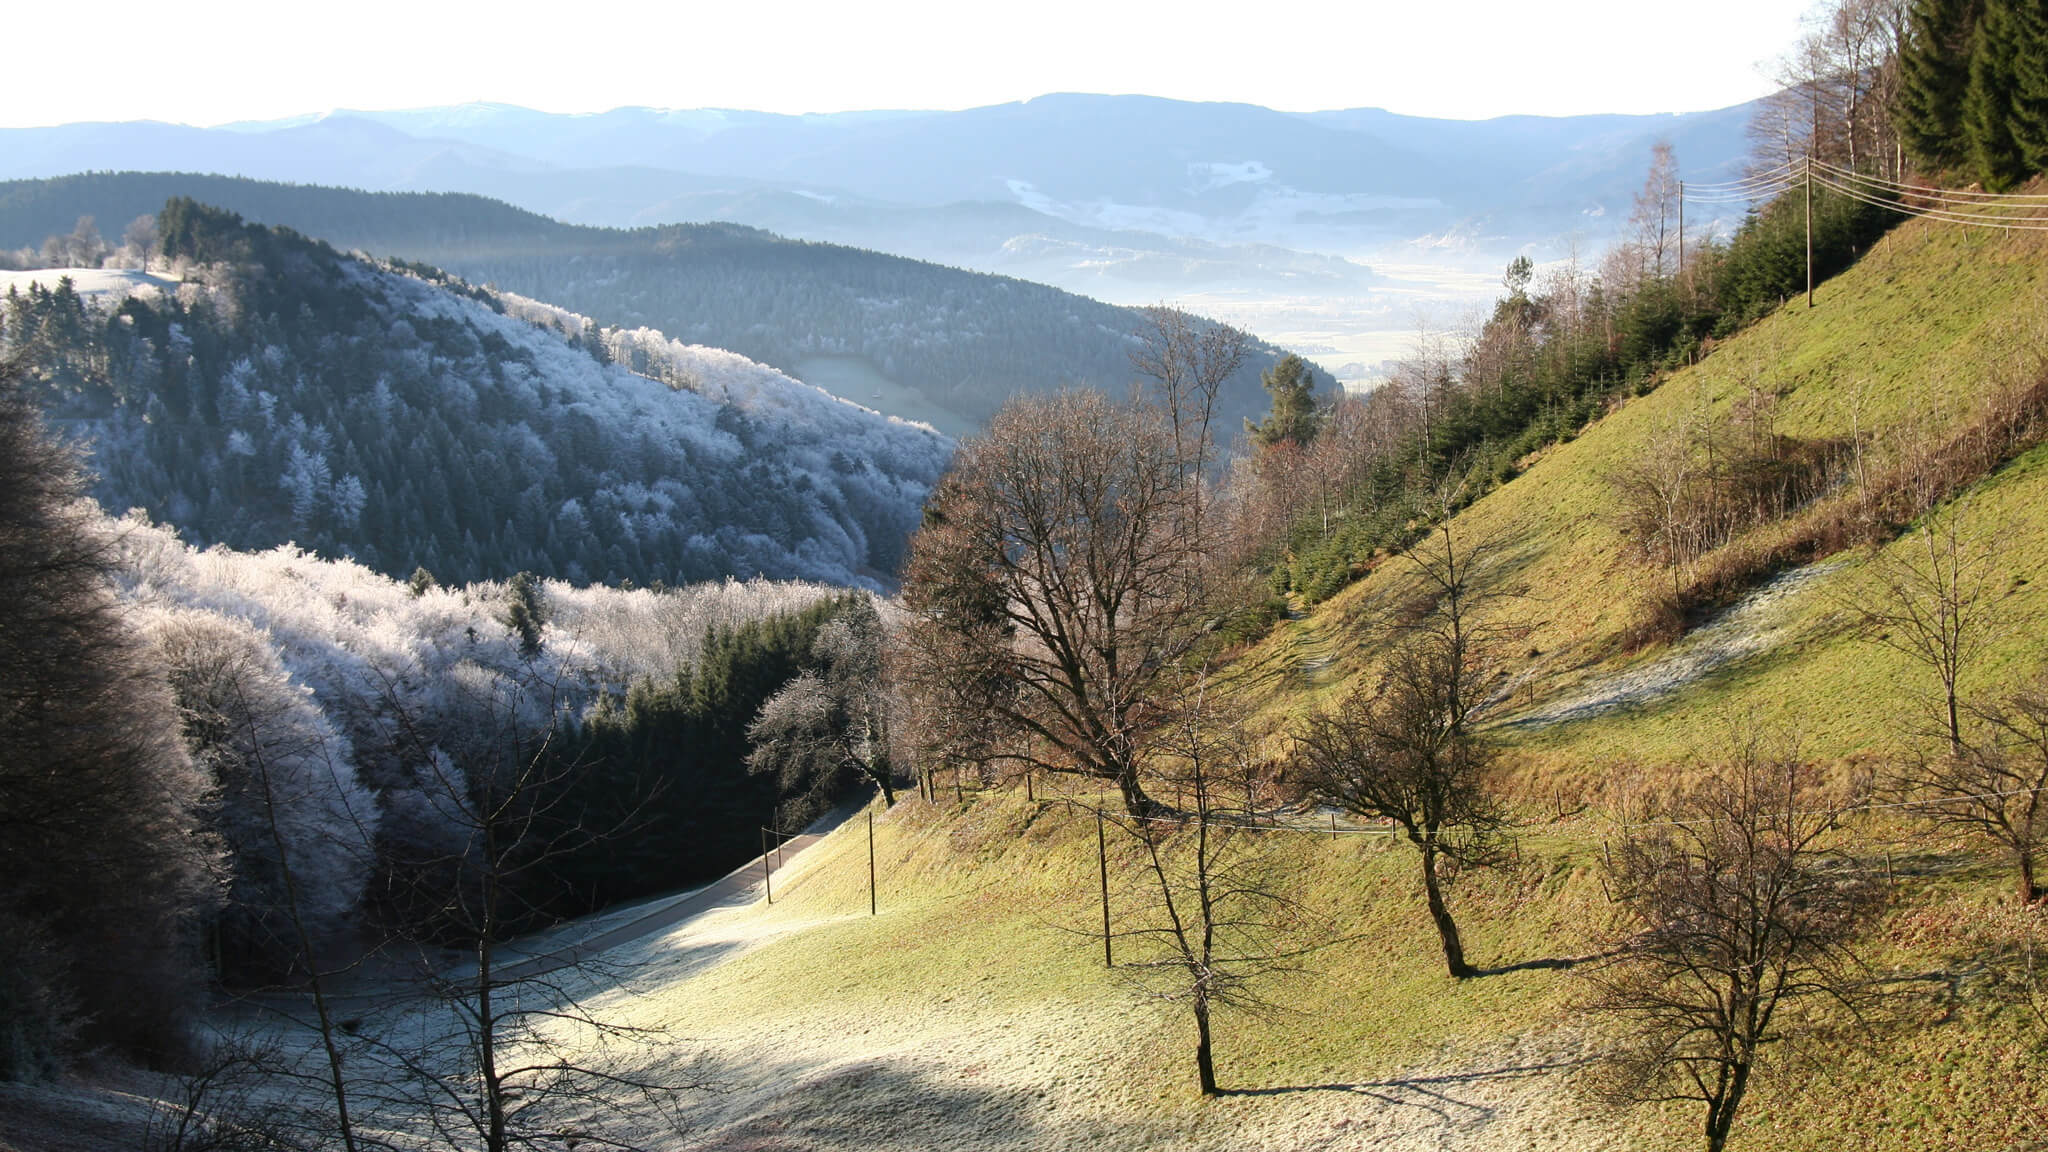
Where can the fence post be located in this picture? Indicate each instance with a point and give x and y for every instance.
(1102, 864)
(871, 863)
(767, 885)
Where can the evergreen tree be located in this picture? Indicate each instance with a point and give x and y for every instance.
(525, 612)
(103, 865)
(2030, 82)
(1934, 74)
(1293, 418)
(1988, 115)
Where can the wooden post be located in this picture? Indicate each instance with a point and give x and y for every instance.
(1681, 231)
(1027, 789)
(1102, 863)
(767, 885)
(1333, 823)
(1809, 230)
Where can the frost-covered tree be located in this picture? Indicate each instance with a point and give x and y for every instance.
(298, 827)
(833, 719)
(103, 868)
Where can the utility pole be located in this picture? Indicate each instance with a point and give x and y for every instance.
(767, 885)
(1809, 229)
(871, 863)
(1681, 231)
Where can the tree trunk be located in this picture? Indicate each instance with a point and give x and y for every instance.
(1135, 801)
(1721, 1113)
(1454, 950)
(1205, 1060)
(2029, 893)
(880, 775)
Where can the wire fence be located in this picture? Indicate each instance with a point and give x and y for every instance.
(1301, 822)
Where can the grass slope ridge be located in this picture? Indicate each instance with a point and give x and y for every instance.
(974, 1011)
(1906, 348)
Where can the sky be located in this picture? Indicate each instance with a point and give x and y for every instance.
(213, 61)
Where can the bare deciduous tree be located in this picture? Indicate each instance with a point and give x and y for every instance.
(1215, 921)
(1936, 601)
(1741, 903)
(1995, 787)
(1406, 750)
(1835, 102)
(1053, 586)
(1187, 360)
(506, 1052)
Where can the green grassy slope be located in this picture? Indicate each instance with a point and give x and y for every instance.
(975, 1012)
(1914, 336)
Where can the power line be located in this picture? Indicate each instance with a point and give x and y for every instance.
(1958, 195)
(1773, 175)
(1945, 215)
(1957, 207)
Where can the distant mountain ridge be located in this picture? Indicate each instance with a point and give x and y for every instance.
(1140, 177)
(941, 344)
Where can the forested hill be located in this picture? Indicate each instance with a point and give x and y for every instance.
(957, 343)
(285, 392)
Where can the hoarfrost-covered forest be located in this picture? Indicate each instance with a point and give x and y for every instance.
(285, 392)
(350, 689)
(960, 342)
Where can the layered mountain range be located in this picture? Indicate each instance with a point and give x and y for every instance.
(1126, 197)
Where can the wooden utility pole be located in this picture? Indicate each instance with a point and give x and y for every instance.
(871, 863)
(1809, 229)
(1102, 863)
(1681, 231)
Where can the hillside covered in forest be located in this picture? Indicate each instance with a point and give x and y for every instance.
(279, 391)
(947, 345)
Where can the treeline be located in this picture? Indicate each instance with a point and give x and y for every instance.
(965, 340)
(286, 392)
(254, 767)
(1973, 90)
(1453, 422)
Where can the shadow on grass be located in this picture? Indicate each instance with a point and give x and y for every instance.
(866, 1104)
(1436, 1095)
(1548, 963)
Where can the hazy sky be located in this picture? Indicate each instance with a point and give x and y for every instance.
(212, 61)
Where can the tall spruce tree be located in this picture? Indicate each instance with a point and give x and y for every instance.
(2030, 82)
(1934, 75)
(1995, 153)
